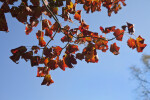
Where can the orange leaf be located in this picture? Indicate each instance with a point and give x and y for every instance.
(118, 34)
(42, 71)
(77, 15)
(47, 80)
(114, 49)
(42, 42)
(28, 29)
(140, 44)
(131, 43)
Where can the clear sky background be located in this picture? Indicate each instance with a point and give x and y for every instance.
(109, 79)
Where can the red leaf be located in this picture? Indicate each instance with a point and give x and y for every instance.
(28, 29)
(101, 44)
(52, 64)
(39, 34)
(47, 80)
(130, 28)
(46, 24)
(42, 42)
(61, 64)
(77, 15)
(33, 21)
(71, 49)
(118, 34)
(140, 44)
(17, 52)
(79, 56)
(114, 49)
(48, 52)
(131, 43)
(57, 50)
(42, 71)
(35, 60)
(48, 32)
(26, 56)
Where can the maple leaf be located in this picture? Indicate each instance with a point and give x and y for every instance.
(66, 39)
(49, 33)
(34, 60)
(71, 49)
(28, 29)
(101, 44)
(62, 65)
(118, 34)
(39, 34)
(47, 80)
(57, 50)
(33, 21)
(140, 44)
(107, 29)
(17, 52)
(52, 64)
(69, 60)
(77, 15)
(90, 53)
(42, 42)
(48, 52)
(114, 49)
(46, 24)
(55, 27)
(130, 28)
(42, 71)
(3, 25)
(26, 56)
(131, 43)
(79, 56)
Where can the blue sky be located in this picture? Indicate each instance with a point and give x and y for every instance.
(109, 79)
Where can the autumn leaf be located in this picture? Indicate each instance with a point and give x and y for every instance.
(77, 15)
(118, 34)
(62, 65)
(35, 60)
(71, 49)
(69, 60)
(26, 56)
(131, 43)
(52, 64)
(42, 71)
(28, 29)
(39, 34)
(46, 24)
(114, 49)
(42, 42)
(57, 50)
(49, 33)
(101, 44)
(140, 44)
(17, 53)
(130, 28)
(79, 56)
(47, 80)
